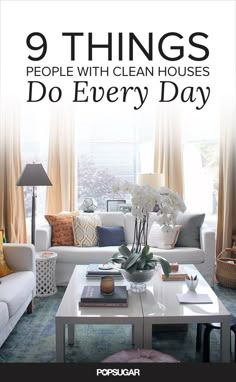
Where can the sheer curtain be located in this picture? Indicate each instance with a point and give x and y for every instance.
(61, 163)
(167, 149)
(226, 225)
(12, 210)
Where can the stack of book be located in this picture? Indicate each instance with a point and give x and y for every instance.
(174, 276)
(98, 270)
(92, 296)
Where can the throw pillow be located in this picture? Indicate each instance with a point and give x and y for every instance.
(62, 232)
(190, 232)
(4, 269)
(84, 229)
(161, 239)
(108, 236)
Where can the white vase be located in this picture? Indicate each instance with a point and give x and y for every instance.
(191, 284)
(138, 279)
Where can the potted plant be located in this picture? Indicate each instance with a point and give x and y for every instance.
(138, 267)
(137, 264)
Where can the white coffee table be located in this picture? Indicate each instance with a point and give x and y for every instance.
(160, 306)
(69, 313)
(157, 305)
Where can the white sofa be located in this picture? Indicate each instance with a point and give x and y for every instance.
(17, 290)
(68, 256)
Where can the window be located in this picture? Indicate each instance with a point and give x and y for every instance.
(201, 164)
(110, 147)
(34, 148)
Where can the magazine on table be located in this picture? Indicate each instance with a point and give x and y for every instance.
(99, 270)
(193, 298)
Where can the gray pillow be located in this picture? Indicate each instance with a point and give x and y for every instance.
(189, 235)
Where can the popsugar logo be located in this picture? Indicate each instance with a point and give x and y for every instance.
(118, 372)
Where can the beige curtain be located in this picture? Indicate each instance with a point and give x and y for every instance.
(61, 163)
(12, 210)
(226, 224)
(167, 149)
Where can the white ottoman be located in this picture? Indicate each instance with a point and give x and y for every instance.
(45, 274)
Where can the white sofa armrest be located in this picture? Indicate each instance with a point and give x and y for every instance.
(20, 257)
(208, 245)
(208, 242)
(43, 237)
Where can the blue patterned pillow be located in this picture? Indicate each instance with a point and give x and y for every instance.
(108, 236)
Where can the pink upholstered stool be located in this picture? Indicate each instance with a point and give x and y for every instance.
(140, 355)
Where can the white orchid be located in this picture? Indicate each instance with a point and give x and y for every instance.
(143, 199)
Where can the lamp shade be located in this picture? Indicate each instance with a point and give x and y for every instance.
(34, 175)
(153, 180)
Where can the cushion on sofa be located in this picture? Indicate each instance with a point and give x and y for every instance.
(4, 269)
(84, 230)
(108, 236)
(181, 255)
(84, 255)
(87, 255)
(111, 219)
(15, 289)
(163, 239)
(62, 233)
(189, 235)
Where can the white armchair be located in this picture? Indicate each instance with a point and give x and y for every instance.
(17, 290)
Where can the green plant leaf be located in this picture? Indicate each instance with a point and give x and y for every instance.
(124, 250)
(117, 256)
(165, 266)
(133, 268)
(118, 261)
(152, 264)
(145, 250)
(149, 256)
(131, 260)
(141, 262)
(149, 266)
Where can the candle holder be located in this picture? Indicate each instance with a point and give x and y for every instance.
(107, 285)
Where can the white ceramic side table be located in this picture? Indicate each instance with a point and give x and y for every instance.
(45, 274)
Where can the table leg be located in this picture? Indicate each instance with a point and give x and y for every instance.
(225, 342)
(133, 336)
(147, 335)
(137, 335)
(71, 334)
(60, 341)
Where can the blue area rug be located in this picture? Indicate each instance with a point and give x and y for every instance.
(33, 338)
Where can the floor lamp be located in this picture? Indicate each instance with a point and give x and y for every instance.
(33, 175)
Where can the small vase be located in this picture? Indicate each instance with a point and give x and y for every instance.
(138, 279)
(191, 284)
